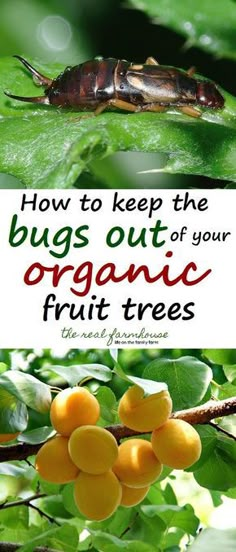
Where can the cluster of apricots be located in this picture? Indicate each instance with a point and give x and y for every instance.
(106, 475)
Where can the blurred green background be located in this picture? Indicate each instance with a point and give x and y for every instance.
(71, 32)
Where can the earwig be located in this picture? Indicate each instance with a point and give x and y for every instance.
(102, 83)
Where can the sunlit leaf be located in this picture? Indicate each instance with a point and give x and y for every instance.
(13, 413)
(149, 387)
(27, 389)
(221, 356)
(9, 468)
(76, 373)
(218, 471)
(36, 436)
(107, 401)
(174, 516)
(187, 378)
(109, 543)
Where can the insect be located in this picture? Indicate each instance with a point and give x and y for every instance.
(102, 83)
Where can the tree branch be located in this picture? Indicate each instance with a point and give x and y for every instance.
(199, 415)
(222, 430)
(28, 502)
(12, 547)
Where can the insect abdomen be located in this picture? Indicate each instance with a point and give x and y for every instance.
(85, 85)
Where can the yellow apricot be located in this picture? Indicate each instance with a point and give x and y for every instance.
(131, 496)
(176, 444)
(97, 496)
(93, 449)
(144, 413)
(5, 437)
(72, 408)
(137, 465)
(54, 463)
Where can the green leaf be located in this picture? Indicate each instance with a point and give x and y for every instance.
(149, 387)
(13, 413)
(218, 471)
(220, 356)
(28, 389)
(148, 530)
(14, 518)
(226, 391)
(107, 401)
(215, 539)
(63, 538)
(76, 373)
(169, 495)
(3, 367)
(208, 436)
(48, 488)
(230, 372)
(174, 516)
(114, 354)
(11, 469)
(120, 521)
(68, 500)
(204, 146)
(200, 22)
(36, 436)
(109, 543)
(231, 493)
(53, 505)
(187, 378)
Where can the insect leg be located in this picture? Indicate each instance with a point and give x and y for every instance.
(152, 107)
(120, 104)
(151, 61)
(189, 110)
(190, 72)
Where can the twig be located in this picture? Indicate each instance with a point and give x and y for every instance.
(12, 547)
(199, 415)
(129, 526)
(221, 430)
(27, 502)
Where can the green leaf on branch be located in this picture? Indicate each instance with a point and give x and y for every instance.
(13, 413)
(107, 401)
(76, 373)
(36, 436)
(206, 24)
(63, 538)
(230, 372)
(109, 543)
(27, 389)
(216, 469)
(182, 517)
(149, 387)
(69, 501)
(187, 378)
(220, 356)
(47, 147)
(12, 470)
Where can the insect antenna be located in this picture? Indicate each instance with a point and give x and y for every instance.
(43, 81)
(35, 99)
